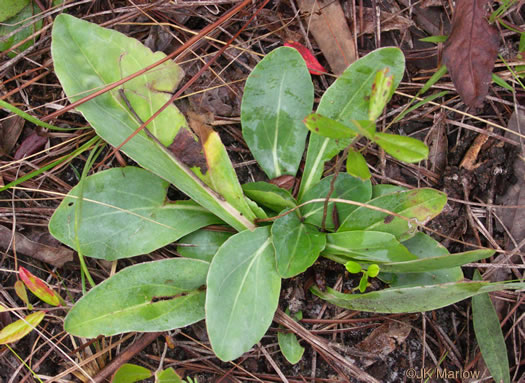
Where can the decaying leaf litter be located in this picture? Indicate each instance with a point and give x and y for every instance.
(479, 166)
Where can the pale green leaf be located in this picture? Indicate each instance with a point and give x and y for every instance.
(242, 293)
(297, 245)
(356, 165)
(347, 99)
(277, 97)
(130, 373)
(489, 336)
(168, 376)
(9, 8)
(328, 127)
(418, 206)
(412, 299)
(152, 296)
(124, 213)
(20, 328)
(290, 347)
(88, 57)
(403, 148)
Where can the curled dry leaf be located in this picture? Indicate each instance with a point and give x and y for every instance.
(10, 130)
(471, 50)
(384, 339)
(55, 256)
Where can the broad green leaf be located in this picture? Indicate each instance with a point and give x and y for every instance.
(152, 296)
(418, 205)
(168, 376)
(403, 148)
(436, 263)
(88, 57)
(412, 299)
(489, 336)
(348, 99)
(39, 287)
(327, 127)
(423, 247)
(368, 246)
(297, 245)
(382, 189)
(269, 195)
(8, 26)
(242, 293)
(277, 97)
(124, 213)
(9, 8)
(258, 211)
(203, 244)
(130, 373)
(345, 187)
(222, 176)
(17, 330)
(356, 165)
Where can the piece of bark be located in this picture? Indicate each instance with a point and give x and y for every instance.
(10, 130)
(437, 142)
(55, 256)
(471, 51)
(327, 22)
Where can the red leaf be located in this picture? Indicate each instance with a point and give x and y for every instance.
(38, 287)
(311, 62)
(471, 50)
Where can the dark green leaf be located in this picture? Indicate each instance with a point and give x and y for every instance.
(368, 246)
(124, 213)
(348, 99)
(9, 8)
(242, 293)
(277, 97)
(269, 195)
(22, 18)
(203, 244)
(346, 187)
(297, 245)
(151, 296)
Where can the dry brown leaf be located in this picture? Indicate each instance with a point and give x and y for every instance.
(471, 50)
(384, 339)
(187, 149)
(30, 145)
(55, 256)
(326, 20)
(437, 144)
(389, 21)
(471, 157)
(10, 130)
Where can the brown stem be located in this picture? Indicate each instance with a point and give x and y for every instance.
(123, 357)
